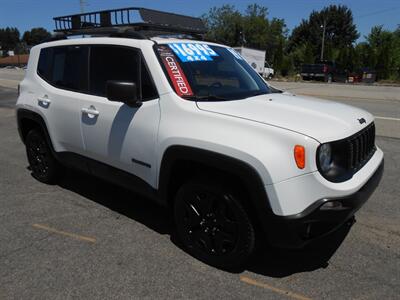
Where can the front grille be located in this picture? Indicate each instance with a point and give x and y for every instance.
(361, 147)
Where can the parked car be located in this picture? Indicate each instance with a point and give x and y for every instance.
(190, 124)
(327, 71)
(364, 75)
(269, 72)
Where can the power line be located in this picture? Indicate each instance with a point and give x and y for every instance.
(378, 12)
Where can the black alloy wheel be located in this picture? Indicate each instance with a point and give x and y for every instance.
(212, 224)
(43, 165)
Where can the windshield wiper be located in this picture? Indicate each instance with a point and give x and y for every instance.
(258, 93)
(206, 98)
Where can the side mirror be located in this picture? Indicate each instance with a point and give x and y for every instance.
(123, 91)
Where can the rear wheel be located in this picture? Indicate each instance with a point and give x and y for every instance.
(43, 165)
(212, 224)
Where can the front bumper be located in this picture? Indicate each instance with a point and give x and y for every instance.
(321, 218)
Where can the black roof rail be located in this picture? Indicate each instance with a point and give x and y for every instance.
(125, 22)
(54, 37)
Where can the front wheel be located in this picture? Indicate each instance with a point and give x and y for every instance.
(212, 224)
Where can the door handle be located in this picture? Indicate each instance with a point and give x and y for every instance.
(44, 101)
(91, 111)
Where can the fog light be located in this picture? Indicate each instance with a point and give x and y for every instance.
(331, 205)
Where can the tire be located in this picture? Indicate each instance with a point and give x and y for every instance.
(212, 224)
(44, 167)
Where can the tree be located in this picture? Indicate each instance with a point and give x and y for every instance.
(396, 52)
(255, 26)
(250, 29)
(383, 52)
(276, 42)
(363, 56)
(9, 38)
(35, 36)
(340, 31)
(224, 25)
(302, 54)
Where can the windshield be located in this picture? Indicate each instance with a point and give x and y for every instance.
(203, 72)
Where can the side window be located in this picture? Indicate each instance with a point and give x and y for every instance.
(57, 75)
(45, 63)
(149, 91)
(70, 68)
(65, 67)
(118, 63)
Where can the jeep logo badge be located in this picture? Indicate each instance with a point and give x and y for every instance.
(361, 120)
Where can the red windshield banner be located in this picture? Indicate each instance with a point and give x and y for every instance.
(175, 73)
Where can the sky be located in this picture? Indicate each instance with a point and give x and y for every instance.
(26, 14)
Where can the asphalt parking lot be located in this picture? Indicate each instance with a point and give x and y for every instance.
(85, 238)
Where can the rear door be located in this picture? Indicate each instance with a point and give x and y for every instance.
(64, 79)
(114, 133)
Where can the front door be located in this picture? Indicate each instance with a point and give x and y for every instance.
(114, 133)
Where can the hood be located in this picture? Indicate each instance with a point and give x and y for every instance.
(322, 120)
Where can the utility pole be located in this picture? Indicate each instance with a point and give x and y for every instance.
(323, 40)
(82, 4)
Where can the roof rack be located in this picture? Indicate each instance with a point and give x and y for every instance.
(126, 22)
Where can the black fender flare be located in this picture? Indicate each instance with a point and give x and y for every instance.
(233, 166)
(26, 114)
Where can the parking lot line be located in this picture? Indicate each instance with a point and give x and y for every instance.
(333, 97)
(289, 294)
(72, 235)
(387, 118)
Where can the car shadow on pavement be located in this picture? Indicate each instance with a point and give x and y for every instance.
(119, 200)
(267, 260)
(275, 262)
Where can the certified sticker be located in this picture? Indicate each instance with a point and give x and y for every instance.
(175, 72)
(192, 52)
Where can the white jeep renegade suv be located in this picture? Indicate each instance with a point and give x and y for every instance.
(191, 125)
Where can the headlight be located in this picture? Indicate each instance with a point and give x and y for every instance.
(325, 157)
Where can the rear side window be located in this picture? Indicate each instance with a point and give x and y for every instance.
(70, 68)
(45, 62)
(65, 67)
(119, 63)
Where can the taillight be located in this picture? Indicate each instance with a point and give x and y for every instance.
(325, 68)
